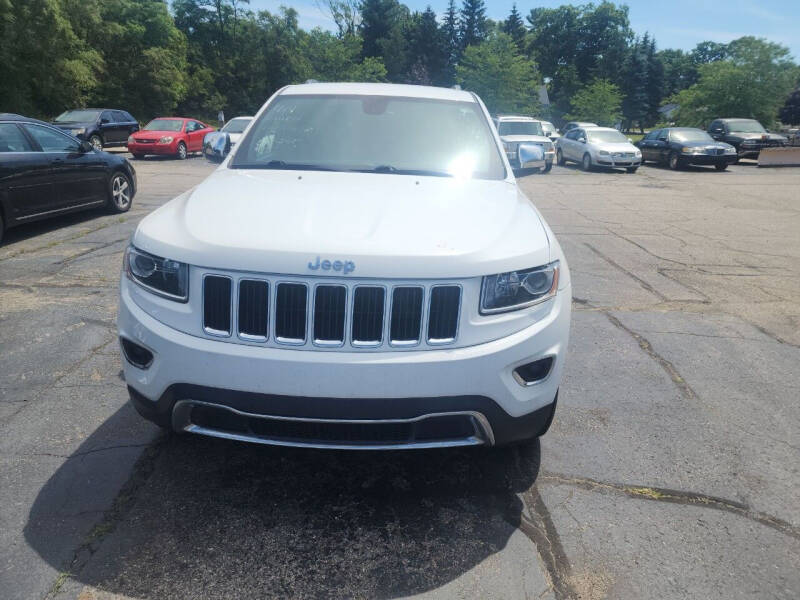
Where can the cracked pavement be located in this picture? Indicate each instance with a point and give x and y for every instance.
(671, 470)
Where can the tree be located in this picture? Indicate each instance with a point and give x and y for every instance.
(708, 52)
(599, 102)
(505, 80)
(752, 81)
(345, 14)
(654, 91)
(680, 70)
(428, 53)
(515, 27)
(451, 29)
(474, 27)
(790, 113)
(634, 86)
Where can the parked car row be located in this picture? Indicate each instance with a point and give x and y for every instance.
(46, 172)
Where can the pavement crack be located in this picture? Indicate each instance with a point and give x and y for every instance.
(680, 383)
(673, 496)
(646, 286)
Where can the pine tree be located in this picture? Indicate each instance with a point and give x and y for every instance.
(514, 27)
(427, 50)
(634, 86)
(451, 29)
(377, 21)
(474, 27)
(655, 80)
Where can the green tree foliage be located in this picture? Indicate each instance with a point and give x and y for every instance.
(428, 53)
(515, 27)
(680, 70)
(752, 81)
(599, 102)
(474, 26)
(451, 28)
(574, 44)
(504, 79)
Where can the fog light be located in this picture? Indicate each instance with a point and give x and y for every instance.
(139, 356)
(533, 372)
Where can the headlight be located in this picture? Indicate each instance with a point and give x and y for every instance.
(603, 153)
(637, 153)
(748, 142)
(518, 289)
(730, 150)
(166, 139)
(131, 140)
(161, 276)
(78, 131)
(689, 150)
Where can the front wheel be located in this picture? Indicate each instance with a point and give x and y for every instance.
(674, 161)
(560, 161)
(120, 193)
(96, 141)
(721, 166)
(547, 168)
(138, 156)
(182, 152)
(586, 163)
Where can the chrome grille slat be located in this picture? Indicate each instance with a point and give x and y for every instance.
(275, 310)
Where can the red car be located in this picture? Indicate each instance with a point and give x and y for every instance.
(174, 136)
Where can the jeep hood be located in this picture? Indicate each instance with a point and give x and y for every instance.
(390, 226)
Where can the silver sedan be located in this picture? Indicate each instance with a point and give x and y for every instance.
(598, 147)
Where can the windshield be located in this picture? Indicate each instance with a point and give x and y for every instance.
(548, 126)
(379, 134)
(78, 116)
(164, 125)
(746, 127)
(520, 128)
(690, 135)
(606, 135)
(236, 125)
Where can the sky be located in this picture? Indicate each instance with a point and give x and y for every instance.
(674, 23)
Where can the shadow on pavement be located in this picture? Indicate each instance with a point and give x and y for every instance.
(210, 518)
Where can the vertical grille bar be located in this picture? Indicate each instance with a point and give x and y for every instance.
(443, 314)
(406, 316)
(368, 310)
(217, 305)
(253, 310)
(290, 313)
(329, 315)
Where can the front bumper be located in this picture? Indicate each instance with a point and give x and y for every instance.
(137, 148)
(618, 163)
(268, 384)
(707, 159)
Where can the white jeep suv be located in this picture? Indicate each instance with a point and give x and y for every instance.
(517, 130)
(361, 271)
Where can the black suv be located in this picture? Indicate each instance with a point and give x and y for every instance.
(102, 127)
(748, 136)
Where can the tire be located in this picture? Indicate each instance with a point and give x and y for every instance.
(560, 160)
(721, 166)
(2, 228)
(547, 168)
(120, 193)
(586, 162)
(182, 153)
(138, 156)
(631, 169)
(674, 161)
(96, 141)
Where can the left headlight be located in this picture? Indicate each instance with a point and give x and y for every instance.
(167, 139)
(518, 289)
(77, 132)
(162, 276)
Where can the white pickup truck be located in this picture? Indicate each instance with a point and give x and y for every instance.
(517, 130)
(361, 272)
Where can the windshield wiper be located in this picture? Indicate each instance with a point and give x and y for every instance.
(282, 165)
(395, 171)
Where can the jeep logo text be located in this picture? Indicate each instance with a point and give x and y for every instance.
(345, 266)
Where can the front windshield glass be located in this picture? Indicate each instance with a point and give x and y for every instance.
(690, 135)
(378, 134)
(746, 127)
(520, 128)
(548, 126)
(78, 116)
(605, 135)
(236, 125)
(164, 125)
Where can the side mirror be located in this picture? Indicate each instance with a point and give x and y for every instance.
(104, 121)
(530, 156)
(582, 140)
(216, 146)
(630, 140)
(86, 147)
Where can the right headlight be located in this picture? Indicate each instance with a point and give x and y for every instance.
(167, 139)
(162, 276)
(518, 289)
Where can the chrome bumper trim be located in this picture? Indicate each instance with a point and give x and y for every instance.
(181, 421)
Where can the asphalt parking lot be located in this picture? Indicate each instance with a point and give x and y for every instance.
(672, 469)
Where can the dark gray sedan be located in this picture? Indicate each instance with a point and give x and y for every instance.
(678, 147)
